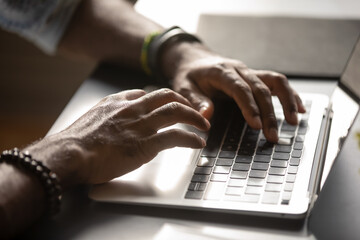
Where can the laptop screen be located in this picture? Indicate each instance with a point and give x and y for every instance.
(351, 76)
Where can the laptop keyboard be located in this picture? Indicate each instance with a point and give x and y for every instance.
(238, 164)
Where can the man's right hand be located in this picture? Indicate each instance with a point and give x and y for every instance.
(118, 135)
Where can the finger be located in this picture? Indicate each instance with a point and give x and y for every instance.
(289, 99)
(134, 94)
(173, 113)
(158, 98)
(263, 99)
(199, 101)
(169, 139)
(231, 83)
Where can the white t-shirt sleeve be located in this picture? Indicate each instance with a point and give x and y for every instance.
(42, 22)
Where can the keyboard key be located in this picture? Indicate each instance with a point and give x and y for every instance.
(296, 153)
(197, 186)
(192, 186)
(237, 182)
(275, 179)
(277, 171)
(250, 198)
(241, 167)
(227, 154)
(298, 146)
(222, 169)
(203, 170)
(251, 131)
(290, 178)
(209, 151)
(201, 186)
(206, 162)
(300, 138)
(243, 159)
(260, 166)
(214, 191)
(279, 163)
(292, 169)
(281, 156)
(287, 135)
(229, 147)
(264, 151)
(247, 152)
(262, 158)
(224, 162)
(294, 161)
(231, 140)
(239, 174)
(194, 195)
(233, 198)
(288, 187)
(283, 148)
(218, 177)
(302, 130)
(285, 141)
(200, 178)
(273, 187)
(271, 197)
(265, 148)
(256, 182)
(248, 145)
(253, 190)
(250, 138)
(286, 196)
(257, 174)
(303, 125)
(234, 191)
(286, 127)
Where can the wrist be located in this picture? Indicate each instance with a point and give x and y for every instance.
(63, 156)
(163, 52)
(178, 54)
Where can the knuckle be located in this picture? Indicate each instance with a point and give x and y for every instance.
(280, 78)
(172, 107)
(241, 87)
(108, 98)
(218, 68)
(260, 89)
(167, 92)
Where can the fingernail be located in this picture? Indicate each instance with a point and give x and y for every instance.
(202, 110)
(208, 125)
(203, 142)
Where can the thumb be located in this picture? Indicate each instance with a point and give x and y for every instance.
(199, 100)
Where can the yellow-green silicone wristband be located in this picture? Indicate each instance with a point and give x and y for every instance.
(145, 52)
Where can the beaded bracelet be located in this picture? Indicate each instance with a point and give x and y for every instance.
(155, 43)
(48, 179)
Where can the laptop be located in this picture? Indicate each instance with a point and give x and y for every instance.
(239, 171)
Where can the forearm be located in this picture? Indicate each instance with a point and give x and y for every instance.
(22, 200)
(22, 196)
(107, 31)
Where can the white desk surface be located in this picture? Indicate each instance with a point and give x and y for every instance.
(83, 219)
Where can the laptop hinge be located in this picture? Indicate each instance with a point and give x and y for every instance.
(319, 158)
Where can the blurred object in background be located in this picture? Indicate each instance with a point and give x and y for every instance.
(34, 89)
